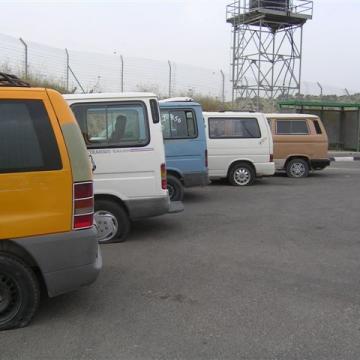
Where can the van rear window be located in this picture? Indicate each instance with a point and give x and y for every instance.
(27, 140)
(178, 124)
(113, 124)
(242, 128)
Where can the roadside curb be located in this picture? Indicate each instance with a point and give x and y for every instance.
(345, 158)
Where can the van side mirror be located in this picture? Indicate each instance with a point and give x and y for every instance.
(155, 111)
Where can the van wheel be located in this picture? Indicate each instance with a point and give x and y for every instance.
(175, 188)
(112, 222)
(19, 292)
(241, 175)
(297, 168)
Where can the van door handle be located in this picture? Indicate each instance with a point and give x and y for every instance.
(262, 140)
(93, 164)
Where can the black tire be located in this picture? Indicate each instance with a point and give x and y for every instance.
(241, 174)
(175, 188)
(19, 292)
(297, 168)
(111, 216)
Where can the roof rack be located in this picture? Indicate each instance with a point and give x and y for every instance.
(11, 80)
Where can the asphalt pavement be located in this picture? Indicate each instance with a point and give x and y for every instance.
(270, 271)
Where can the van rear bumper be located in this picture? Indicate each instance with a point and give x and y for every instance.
(319, 164)
(67, 261)
(149, 207)
(196, 179)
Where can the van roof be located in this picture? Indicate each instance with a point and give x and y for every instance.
(109, 96)
(179, 101)
(232, 114)
(19, 88)
(290, 115)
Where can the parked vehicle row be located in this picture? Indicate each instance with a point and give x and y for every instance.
(55, 202)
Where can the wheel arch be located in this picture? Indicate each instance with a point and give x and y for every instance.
(175, 173)
(238, 162)
(114, 199)
(293, 157)
(13, 248)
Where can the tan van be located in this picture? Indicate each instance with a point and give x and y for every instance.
(300, 143)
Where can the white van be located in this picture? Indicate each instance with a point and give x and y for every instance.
(123, 134)
(240, 146)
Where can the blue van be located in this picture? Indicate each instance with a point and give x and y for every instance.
(185, 145)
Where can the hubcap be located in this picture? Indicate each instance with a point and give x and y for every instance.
(242, 176)
(107, 225)
(297, 170)
(10, 300)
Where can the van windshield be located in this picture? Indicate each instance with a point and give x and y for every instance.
(113, 125)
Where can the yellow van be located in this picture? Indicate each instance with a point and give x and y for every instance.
(47, 237)
(300, 143)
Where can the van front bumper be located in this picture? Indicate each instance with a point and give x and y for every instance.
(67, 261)
(149, 207)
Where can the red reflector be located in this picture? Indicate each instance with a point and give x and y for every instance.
(163, 177)
(83, 190)
(83, 221)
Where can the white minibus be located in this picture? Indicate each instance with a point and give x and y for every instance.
(123, 134)
(240, 146)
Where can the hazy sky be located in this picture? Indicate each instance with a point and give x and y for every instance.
(185, 31)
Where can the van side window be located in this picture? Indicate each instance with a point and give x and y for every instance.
(317, 127)
(113, 125)
(27, 140)
(178, 124)
(244, 128)
(291, 127)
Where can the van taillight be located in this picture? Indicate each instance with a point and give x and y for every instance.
(206, 159)
(271, 157)
(83, 205)
(163, 177)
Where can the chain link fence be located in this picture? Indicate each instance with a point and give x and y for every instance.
(79, 71)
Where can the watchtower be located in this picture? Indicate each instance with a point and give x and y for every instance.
(267, 46)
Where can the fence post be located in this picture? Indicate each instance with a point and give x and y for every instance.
(170, 77)
(67, 69)
(321, 89)
(122, 73)
(26, 64)
(223, 86)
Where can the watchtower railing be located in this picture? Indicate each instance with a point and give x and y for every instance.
(290, 7)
